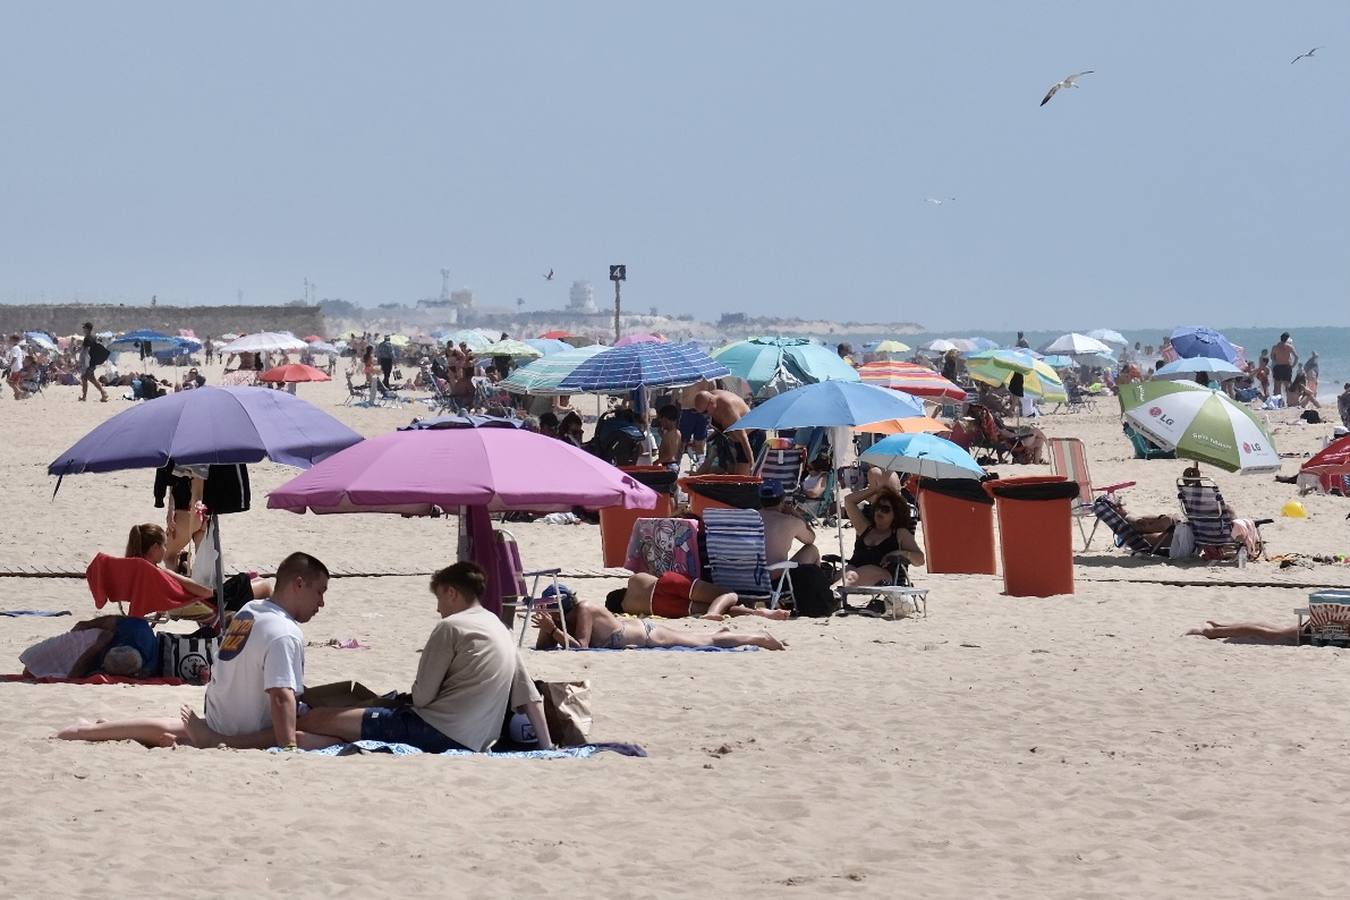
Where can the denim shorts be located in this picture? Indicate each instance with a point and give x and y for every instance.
(404, 726)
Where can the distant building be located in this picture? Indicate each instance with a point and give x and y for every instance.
(462, 299)
(581, 299)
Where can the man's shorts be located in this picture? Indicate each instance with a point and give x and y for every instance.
(671, 596)
(693, 425)
(1281, 372)
(404, 726)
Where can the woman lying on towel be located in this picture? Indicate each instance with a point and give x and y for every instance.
(1249, 632)
(584, 626)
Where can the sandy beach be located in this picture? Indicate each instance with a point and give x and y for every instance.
(1076, 746)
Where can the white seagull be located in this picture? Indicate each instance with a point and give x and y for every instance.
(937, 201)
(1307, 55)
(1071, 81)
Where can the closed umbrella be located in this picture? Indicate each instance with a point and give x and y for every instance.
(1200, 424)
(910, 378)
(772, 365)
(923, 454)
(1192, 341)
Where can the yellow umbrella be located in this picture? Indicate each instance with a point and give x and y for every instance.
(399, 340)
(891, 347)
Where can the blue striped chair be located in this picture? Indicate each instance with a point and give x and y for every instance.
(736, 558)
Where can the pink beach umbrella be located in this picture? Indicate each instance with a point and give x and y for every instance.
(641, 338)
(410, 472)
(481, 470)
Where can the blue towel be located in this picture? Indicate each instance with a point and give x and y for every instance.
(583, 752)
(46, 613)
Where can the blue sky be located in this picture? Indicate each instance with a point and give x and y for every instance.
(754, 156)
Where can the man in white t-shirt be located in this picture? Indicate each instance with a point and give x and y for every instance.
(259, 672)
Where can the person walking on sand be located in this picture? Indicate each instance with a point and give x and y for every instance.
(92, 355)
(1283, 358)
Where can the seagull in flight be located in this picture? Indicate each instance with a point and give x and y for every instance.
(1307, 55)
(1071, 81)
(549, 276)
(938, 201)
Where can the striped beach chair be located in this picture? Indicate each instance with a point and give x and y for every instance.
(1108, 513)
(783, 465)
(736, 558)
(1068, 457)
(1210, 518)
(1326, 620)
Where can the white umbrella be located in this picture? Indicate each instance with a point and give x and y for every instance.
(264, 342)
(1075, 344)
(323, 347)
(939, 345)
(1108, 336)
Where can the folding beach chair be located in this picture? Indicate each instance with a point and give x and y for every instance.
(354, 394)
(736, 557)
(1211, 519)
(1107, 510)
(886, 599)
(1326, 619)
(1068, 457)
(1144, 448)
(513, 576)
(783, 465)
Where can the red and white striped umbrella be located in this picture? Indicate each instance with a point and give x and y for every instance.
(910, 378)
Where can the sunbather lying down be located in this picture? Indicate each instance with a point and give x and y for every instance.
(1249, 632)
(675, 596)
(590, 625)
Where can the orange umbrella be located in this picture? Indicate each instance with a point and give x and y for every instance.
(293, 372)
(910, 378)
(311, 338)
(912, 425)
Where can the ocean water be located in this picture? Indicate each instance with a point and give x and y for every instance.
(1331, 343)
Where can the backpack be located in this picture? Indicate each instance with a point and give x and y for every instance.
(811, 592)
(98, 354)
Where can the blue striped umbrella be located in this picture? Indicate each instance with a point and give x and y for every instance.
(544, 375)
(617, 369)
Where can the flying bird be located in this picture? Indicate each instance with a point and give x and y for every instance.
(938, 201)
(1307, 55)
(549, 276)
(1071, 81)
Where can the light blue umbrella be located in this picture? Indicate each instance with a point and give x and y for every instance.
(646, 365)
(923, 454)
(772, 365)
(1188, 368)
(548, 346)
(1058, 361)
(983, 343)
(831, 404)
(42, 339)
(544, 375)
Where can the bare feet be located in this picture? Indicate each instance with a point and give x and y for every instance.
(1210, 631)
(197, 729)
(778, 615)
(714, 617)
(769, 642)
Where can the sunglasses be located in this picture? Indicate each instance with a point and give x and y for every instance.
(885, 509)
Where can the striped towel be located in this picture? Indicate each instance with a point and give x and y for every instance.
(736, 550)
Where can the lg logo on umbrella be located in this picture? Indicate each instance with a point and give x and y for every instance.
(1155, 411)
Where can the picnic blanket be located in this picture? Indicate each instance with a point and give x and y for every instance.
(583, 752)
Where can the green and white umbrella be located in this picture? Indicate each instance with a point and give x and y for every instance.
(544, 375)
(1200, 424)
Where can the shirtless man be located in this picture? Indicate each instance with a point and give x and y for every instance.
(725, 409)
(592, 626)
(781, 528)
(693, 424)
(676, 596)
(672, 443)
(1283, 358)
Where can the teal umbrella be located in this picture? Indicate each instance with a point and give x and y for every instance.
(544, 375)
(771, 366)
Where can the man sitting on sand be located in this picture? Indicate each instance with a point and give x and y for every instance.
(258, 674)
(468, 674)
(676, 596)
(590, 626)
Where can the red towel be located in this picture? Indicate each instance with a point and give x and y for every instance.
(123, 579)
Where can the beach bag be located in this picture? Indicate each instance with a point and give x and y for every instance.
(1183, 542)
(186, 657)
(98, 354)
(567, 709)
(811, 594)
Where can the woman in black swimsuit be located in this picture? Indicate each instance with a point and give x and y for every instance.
(885, 534)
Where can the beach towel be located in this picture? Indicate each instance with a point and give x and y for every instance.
(46, 613)
(659, 546)
(584, 752)
(94, 679)
(678, 649)
(148, 588)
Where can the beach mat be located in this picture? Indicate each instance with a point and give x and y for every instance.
(357, 748)
(45, 613)
(96, 679)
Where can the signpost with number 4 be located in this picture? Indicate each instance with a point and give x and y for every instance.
(617, 274)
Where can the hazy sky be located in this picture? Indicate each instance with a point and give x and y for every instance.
(765, 157)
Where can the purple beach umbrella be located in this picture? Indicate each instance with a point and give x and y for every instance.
(209, 425)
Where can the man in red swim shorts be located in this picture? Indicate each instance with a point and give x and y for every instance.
(676, 596)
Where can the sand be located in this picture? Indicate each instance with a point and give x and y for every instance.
(1073, 746)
